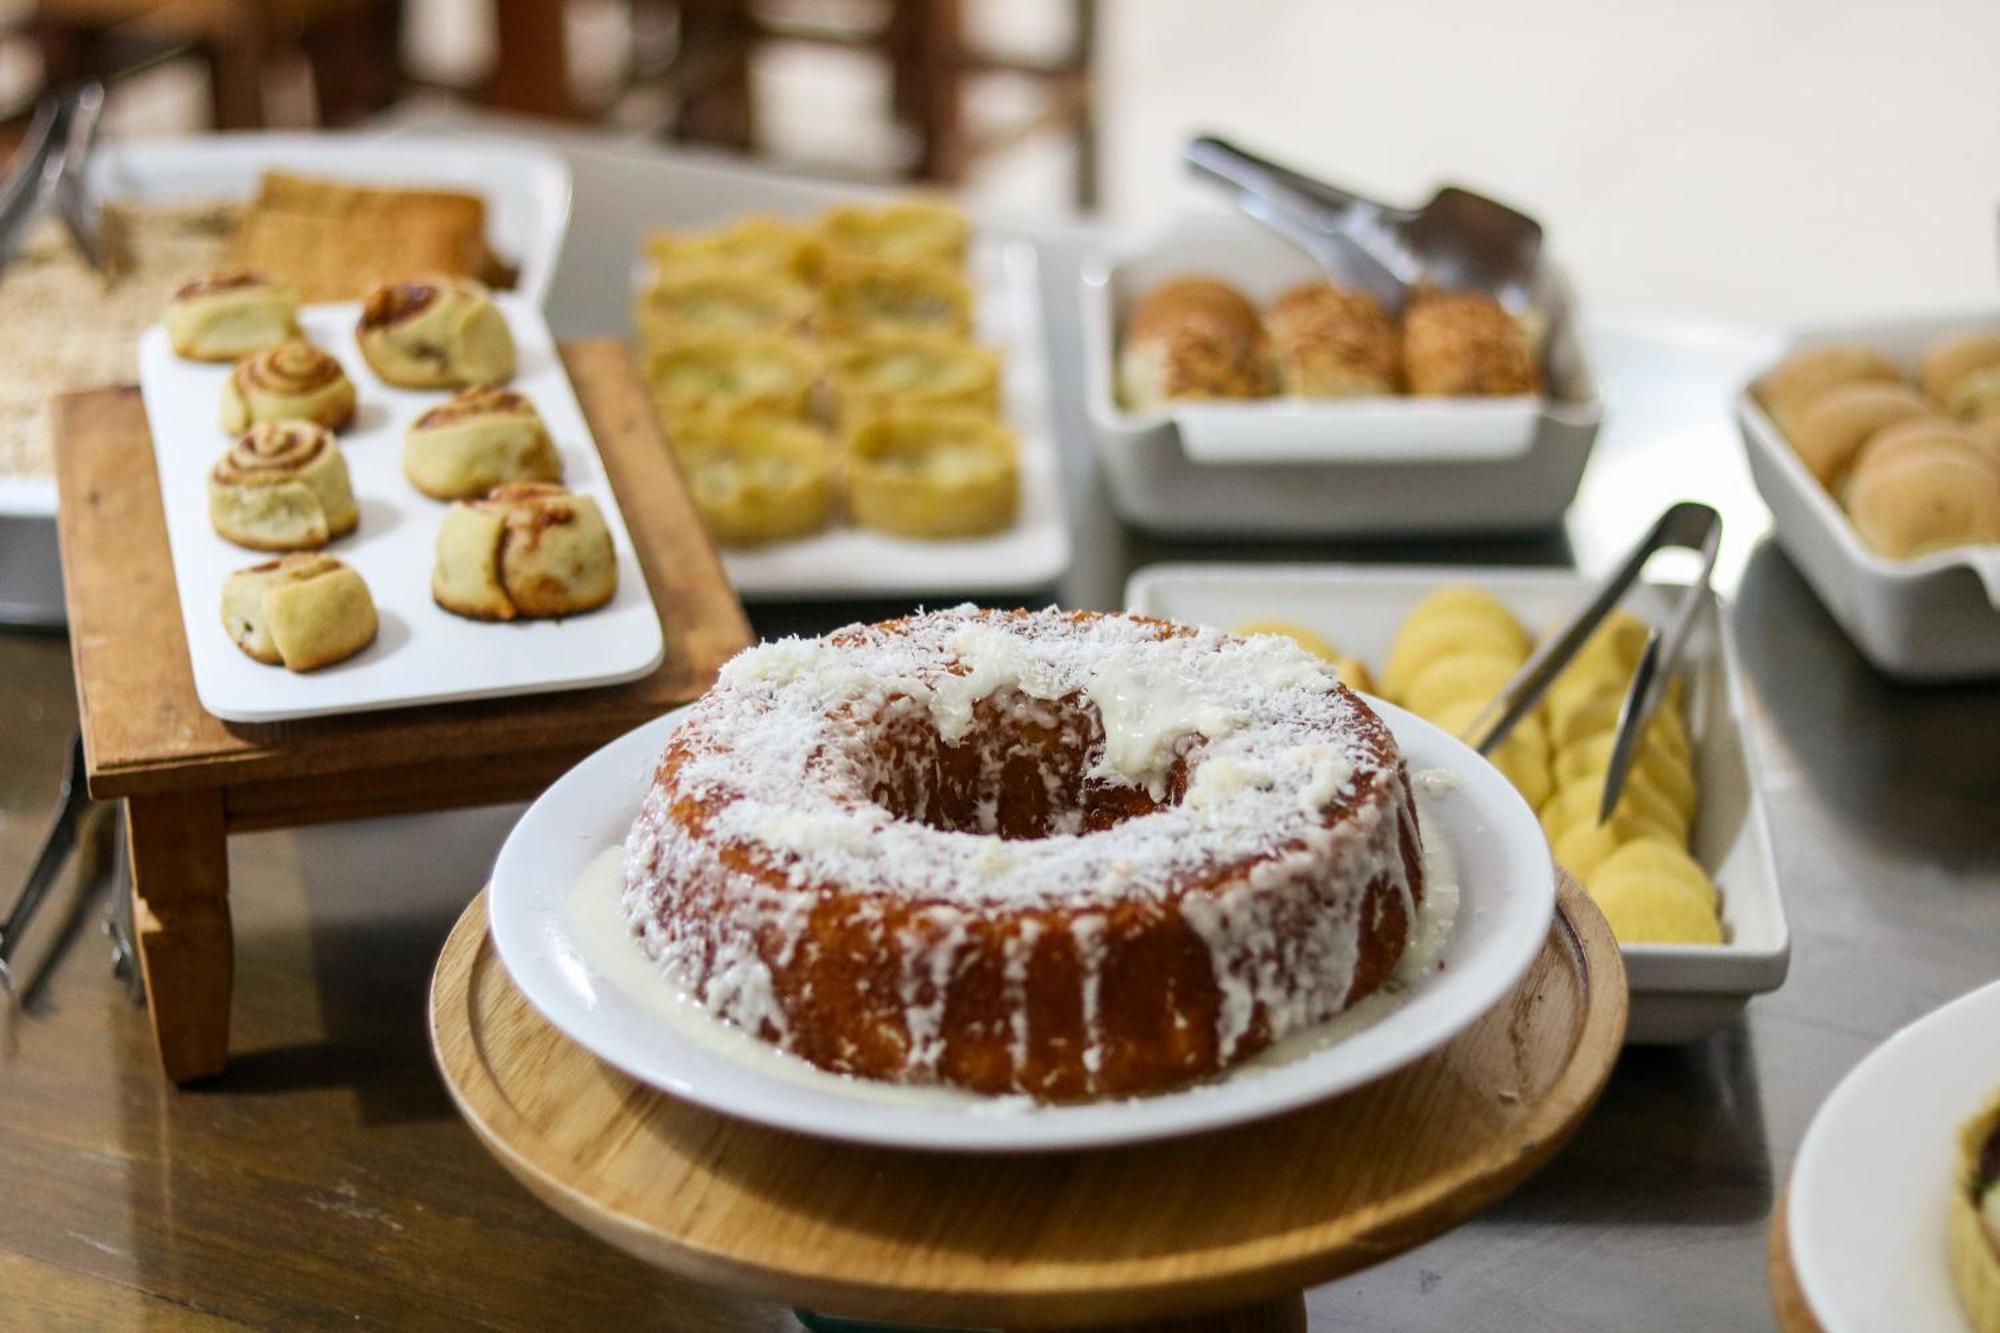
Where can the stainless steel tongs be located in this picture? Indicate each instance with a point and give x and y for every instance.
(52, 166)
(1686, 524)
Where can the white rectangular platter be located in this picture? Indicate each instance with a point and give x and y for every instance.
(422, 654)
(848, 561)
(1679, 992)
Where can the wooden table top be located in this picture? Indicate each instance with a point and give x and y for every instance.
(144, 729)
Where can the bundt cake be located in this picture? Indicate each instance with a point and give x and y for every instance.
(1057, 853)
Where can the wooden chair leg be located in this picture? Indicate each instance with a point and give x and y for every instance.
(180, 920)
(1286, 1314)
(237, 48)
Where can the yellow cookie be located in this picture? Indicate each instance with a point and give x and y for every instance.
(1353, 673)
(1583, 848)
(1576, 803)
(1598, 712)
(1590, 758)
(1651, 856)
(1522, 758)
(1297, 633)
(1462, 676)
(1648, 908)
(1462, 599)
(1573, 686)
(1529, 733)
(1614, 645)
(1424, 640)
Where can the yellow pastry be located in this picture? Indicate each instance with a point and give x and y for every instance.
(283, 486)
(1791, 386)
(1974, 1227)
(908, 229)
(755, 244)
(1460, 599)
(293, 381)
(1522, 756)
(478, 439)
(1669, 772)
(1832, 428)
(1583, 847)
(721, 375)
(757, 477)
(528, 549)
(721, 302)
(911, 371)
(299, 611)
(230, 315)
(1650, 908)
(873, 298)
(1331, 342)
(1580, 719)
(436, 332)
(933, 474)
(1963, 373)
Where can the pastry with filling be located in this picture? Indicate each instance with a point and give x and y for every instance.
(909, 229)
(720, 302)
(1332, 342)
(717, 376)
(874, 298)
(1465, 344)
(227, 316)
(1963, 373)
(527, 550)
(753, 245)
(1193, 338)
(933, 474)
(1974, 1228)
(301, 612)
(756, 477)
(294, 381)
(478, 439)
(912, 372)
(283, 486)
(436, 332)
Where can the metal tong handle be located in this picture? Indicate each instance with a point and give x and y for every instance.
(75, 200)
(21, 192)
(1688, 524)
(1342, 230)
(56, 848)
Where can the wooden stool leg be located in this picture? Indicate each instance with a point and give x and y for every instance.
(180, 918)
(1287, 1314)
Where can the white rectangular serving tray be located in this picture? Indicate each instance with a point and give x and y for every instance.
(1935, 618)
(1679, 992)
(848, 561)
(1361, 467)
(422, 654)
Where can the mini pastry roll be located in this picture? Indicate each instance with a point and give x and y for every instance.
(301, 612)
(1963, 373)
(1193, 338)
(527, 550)
(757, 477)
(722, 302)
(1923, 486)
(1973, 1230)
(1790, 387)
(283, 486)
(294, 381)
(874, 298)
(912, 372)
(478, 439)
(1329, 342)
(721, 375)
(1829, 431)
(436, 332)
(911, 229)
(755, 244)
(933, 474)
(230, 315)
(1461, 344)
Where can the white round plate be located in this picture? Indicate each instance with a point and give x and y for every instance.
(1868, 1196)
(1507, 897)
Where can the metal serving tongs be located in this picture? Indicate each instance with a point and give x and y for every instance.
(1459, 240)
(1687, 524)
(52, 165)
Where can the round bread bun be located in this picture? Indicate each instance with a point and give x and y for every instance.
(1194, 299)
(1963, 373)
(1924, 493)
(1791, 386)
(1834, 426)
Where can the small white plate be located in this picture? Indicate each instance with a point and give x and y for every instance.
(422, 654)
(849, 561)
(1934, 618)
(1679, 991)
(1507, 899)
(1866, 1222)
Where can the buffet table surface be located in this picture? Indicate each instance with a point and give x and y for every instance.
(325, 1176)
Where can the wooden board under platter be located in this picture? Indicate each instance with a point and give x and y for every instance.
(1788, 1297)
(1218, 1220)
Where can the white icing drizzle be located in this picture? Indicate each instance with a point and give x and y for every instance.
(782, 757)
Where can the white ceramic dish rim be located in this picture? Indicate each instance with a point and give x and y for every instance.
(35, 497)
(1761, 433)
(1508, 904)
(1730, 968)
(1899, 1078)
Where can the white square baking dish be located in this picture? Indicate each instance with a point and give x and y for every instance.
(1935, 618)
(1679, 992)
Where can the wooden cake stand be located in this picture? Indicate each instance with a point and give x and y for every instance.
(1788, 1298)
(189, 780)
(1246, 1217)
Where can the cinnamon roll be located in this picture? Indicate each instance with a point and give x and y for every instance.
(437, 332)
(528, 549)
(282, 486)
(294, 381)
(230, 315)
(476, 440)
(301, 612)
